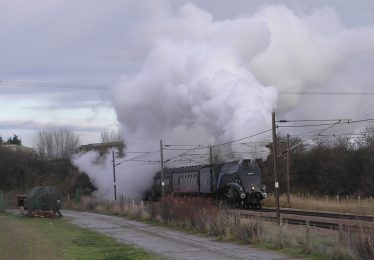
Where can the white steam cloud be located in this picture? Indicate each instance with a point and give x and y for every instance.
(196, 85)
(204, 81)
(99, 173)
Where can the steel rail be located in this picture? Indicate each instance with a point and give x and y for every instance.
(323, 214)
(326, 220)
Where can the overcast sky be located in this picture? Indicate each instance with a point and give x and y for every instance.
(67, 63)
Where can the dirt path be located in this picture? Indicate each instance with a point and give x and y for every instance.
(167, 243)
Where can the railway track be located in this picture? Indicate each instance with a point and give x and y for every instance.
(329, 220)
(323, 214)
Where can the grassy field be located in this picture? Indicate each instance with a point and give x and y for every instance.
(343, 204)
(40, 238)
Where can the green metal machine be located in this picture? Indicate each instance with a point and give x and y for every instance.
(44, 198)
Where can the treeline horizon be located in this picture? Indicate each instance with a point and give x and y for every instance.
(22, 168)
(323, 168)
(337, 167)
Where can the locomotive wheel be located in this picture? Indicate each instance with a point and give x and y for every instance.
(233, 198)
(229, 198)
(222, 204)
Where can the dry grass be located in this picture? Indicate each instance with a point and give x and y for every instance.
(201, 215)
(361, 242)
(344, 204)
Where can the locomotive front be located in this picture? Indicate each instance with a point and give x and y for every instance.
(250, 180)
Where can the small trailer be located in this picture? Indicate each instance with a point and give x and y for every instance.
(41, 201)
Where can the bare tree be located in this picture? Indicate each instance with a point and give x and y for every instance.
(60, 144)
(114, 139)
(109, 136)
(368, 137)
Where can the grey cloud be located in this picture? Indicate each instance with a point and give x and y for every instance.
(38, 126)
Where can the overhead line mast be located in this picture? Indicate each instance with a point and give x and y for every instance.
(275, 155)
(162, 169)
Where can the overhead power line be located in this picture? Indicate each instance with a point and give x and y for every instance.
(241, 139)
(327, 93)
(312, 120)
(106, 87)
(197, 147)
(53, 85)
(339, 121)
(182, 154)
(138, 157)
(309, 125)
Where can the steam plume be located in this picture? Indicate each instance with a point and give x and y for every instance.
(204, 81)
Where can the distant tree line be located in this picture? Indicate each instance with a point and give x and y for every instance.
(11, 140)
(325, 168)
(21, 168)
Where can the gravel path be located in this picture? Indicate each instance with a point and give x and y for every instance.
(166, 242)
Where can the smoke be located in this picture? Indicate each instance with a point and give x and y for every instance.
(99, 173)
(195, 84)
(313, 52)
(204, 81)
(129, 182)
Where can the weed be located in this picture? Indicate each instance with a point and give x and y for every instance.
(201, 215)
(362, 243)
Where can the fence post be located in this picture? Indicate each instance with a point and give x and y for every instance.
(281, 232)
(1, 201)
(307, 230)
(341, 238)
(77, 198)
(121, 202)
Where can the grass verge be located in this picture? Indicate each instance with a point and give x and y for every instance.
(40, 238)
(200, 215)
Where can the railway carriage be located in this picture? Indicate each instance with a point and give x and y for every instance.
(236, 183)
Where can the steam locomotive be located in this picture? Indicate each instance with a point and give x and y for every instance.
(235, 184)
